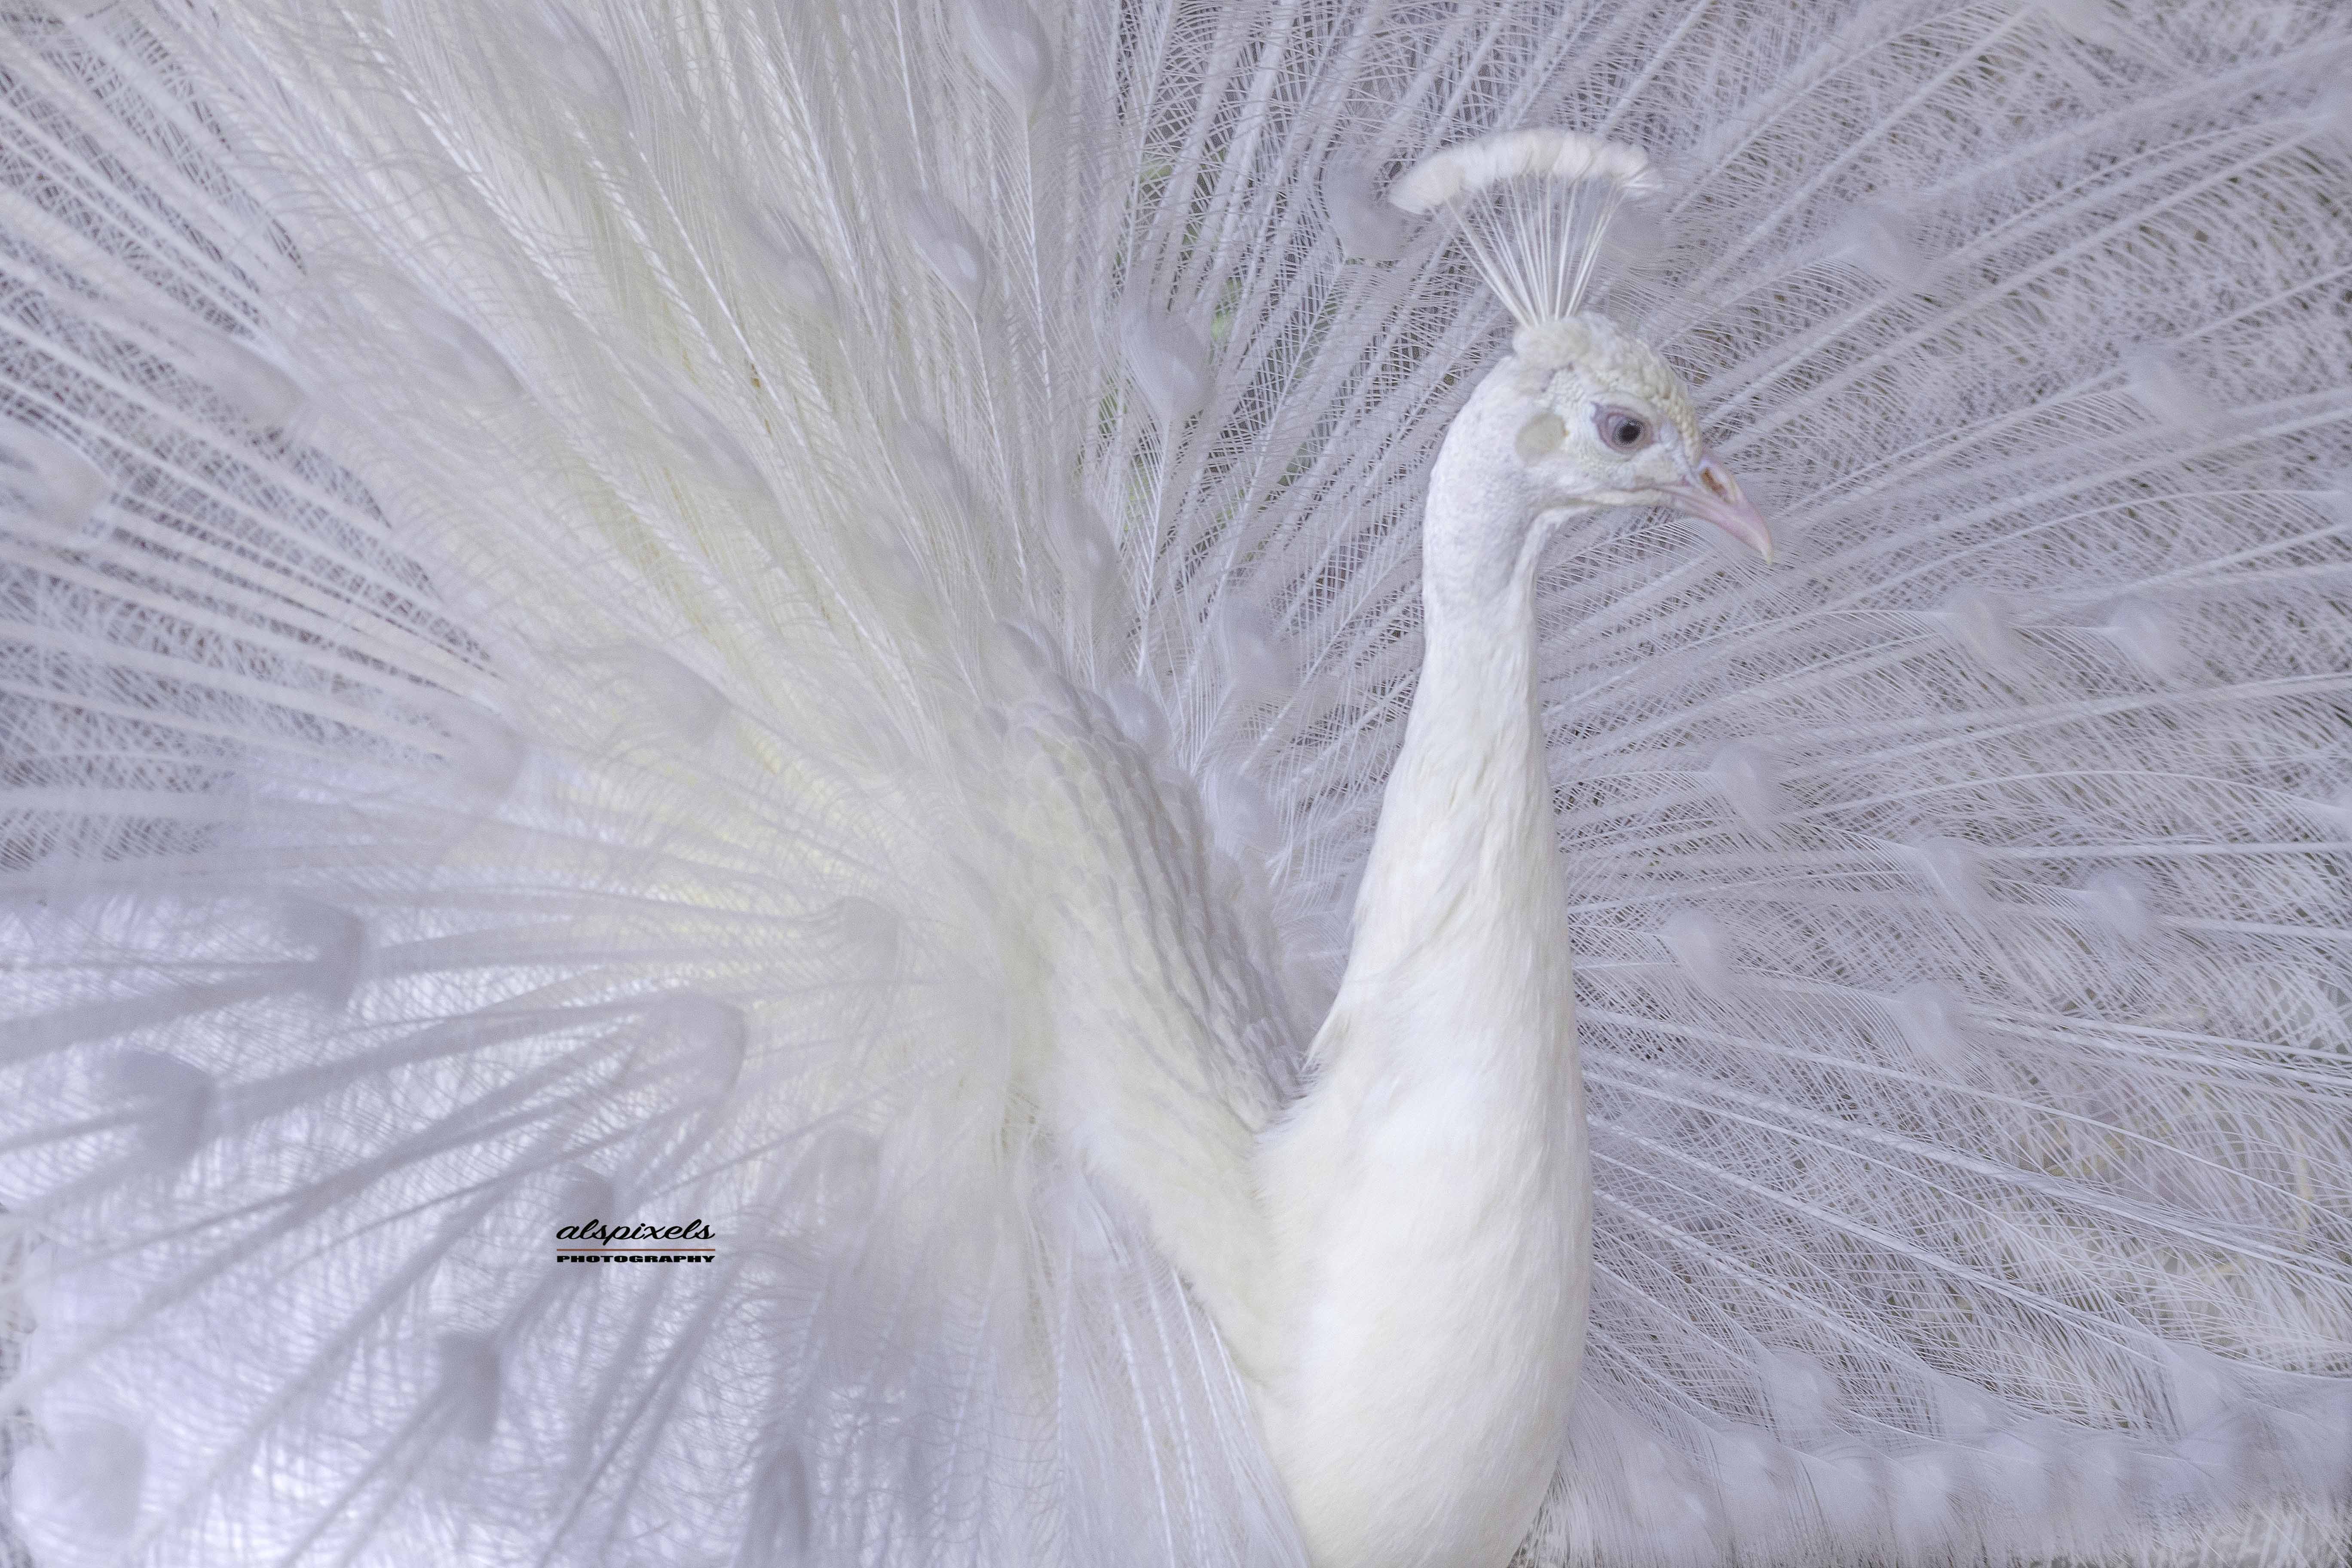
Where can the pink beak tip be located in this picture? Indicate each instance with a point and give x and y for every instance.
(1715, 497)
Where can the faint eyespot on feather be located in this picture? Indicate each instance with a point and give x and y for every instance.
(781, 1526)
(790, 263)
(1748, 779)
(1028, 660)
(468, 1386)
(230, 372)
(177, 1105)
(892, 565)
(1367, 228)
(2200, 1388)
(1926, 1489)
(2119, 901)
(673, 697)
(1954, 868)
(2159, 383)
(1006, 43)
(48, 484)
(83, 1481)
(933, 476)
(1081, 538)
(1848, 1487)
(2146, 630)
(1984, 624)
(1799, 1396)
(584, 1194)
(949, 247)
(2315, 1431)
(1752, 1468)
(1084, 548)
(1701, 949)
(1680, 1522)
(1933, 1023)
(1138, 715)
(1170, 361)
(338, 940)
(484, 753)
(692, 1045)
(1964, 1412)
(2092, 22)
(450, 350)
(1081, 1221)
(2021, 1464)
(1251, 654)
(1878, 237)
(2104, 1470)
(1241, 812)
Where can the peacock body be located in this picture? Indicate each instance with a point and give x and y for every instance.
(849, 623)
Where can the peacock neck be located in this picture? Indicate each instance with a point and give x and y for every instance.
(1430, 1198)
(1462, 875)
(1463, 854)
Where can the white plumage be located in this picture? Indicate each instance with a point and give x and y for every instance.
(803, 618)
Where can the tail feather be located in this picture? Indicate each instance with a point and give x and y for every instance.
(796, 619)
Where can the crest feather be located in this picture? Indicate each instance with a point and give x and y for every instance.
(1534, 205)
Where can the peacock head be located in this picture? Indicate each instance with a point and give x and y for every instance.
(1582, 415)
(1599, 420)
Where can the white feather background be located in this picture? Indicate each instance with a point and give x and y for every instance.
(796, 615)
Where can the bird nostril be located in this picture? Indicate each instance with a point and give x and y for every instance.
(1711, 478)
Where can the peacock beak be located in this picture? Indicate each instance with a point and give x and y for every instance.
(1712, 494)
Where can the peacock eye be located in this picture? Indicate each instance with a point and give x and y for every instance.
(1621, 431)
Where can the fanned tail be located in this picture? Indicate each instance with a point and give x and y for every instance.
(797, 619)
(517, 705)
